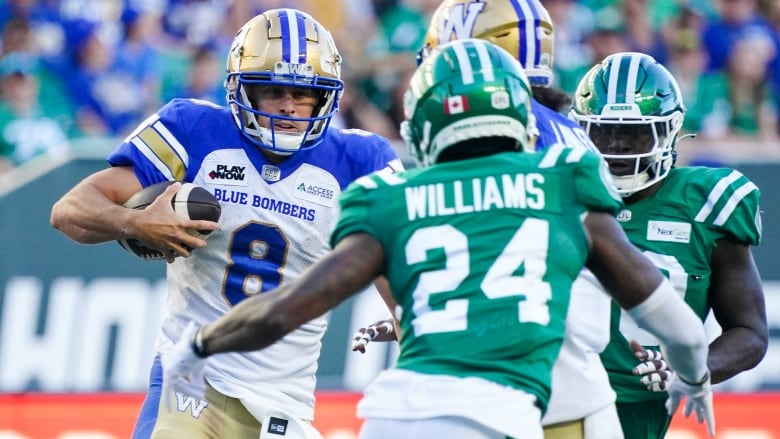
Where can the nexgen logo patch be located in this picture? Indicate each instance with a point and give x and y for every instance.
(669, 231)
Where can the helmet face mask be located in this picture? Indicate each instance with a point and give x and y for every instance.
(467, 89)
(632, 109)
(616, 139)
(283, 48)
(521, 27)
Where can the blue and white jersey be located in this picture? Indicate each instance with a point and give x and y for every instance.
(580, 383)
(276, 220)
(556, 128)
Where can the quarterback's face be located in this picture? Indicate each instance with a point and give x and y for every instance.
(284, 101)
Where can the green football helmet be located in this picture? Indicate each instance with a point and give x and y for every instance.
(632, 109)
(464, 90)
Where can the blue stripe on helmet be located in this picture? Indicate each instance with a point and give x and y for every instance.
(521, 23)
(301, 37)
(285, 36)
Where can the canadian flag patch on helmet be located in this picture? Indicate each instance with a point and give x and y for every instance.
(456, 104)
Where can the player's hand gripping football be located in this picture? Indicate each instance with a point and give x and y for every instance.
(653, 369)
(161, 228)
(382, 330)
(183, 369)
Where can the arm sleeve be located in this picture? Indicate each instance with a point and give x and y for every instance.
(681, 334)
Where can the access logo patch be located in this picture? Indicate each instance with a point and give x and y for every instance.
(317, 186)
(316, 192)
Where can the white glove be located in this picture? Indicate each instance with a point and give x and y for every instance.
(182, 369)
(383, 329)
(699, 400)
(654, 371)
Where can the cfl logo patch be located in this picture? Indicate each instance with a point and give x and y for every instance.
(271, 173)
(277, 426)
(499, 100)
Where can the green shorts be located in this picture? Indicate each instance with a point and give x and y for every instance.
(644, 420)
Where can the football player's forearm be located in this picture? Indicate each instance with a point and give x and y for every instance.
(259, 321)
(735, 350)
(683, 341)
(253, 324)
(84, 236)
(91, 219)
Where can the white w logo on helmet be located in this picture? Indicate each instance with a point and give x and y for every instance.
(458, 22)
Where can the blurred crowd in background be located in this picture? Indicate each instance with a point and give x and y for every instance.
(75, 69)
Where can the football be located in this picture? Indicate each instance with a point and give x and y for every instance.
(190, 202)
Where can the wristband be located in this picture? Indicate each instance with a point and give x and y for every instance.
(197, 344)
(698, 383)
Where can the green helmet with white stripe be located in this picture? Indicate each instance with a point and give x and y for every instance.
(468, 98)
(632, 109)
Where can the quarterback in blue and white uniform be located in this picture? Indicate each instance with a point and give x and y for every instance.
(277, 171)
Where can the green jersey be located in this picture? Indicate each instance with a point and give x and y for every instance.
(480, 255)
(678, 229)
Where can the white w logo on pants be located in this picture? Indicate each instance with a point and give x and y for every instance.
(183, 401)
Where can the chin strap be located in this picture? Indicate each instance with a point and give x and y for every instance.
(633, 181)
